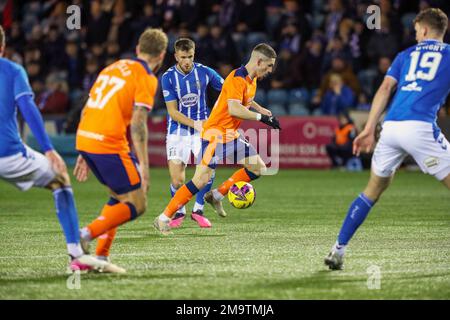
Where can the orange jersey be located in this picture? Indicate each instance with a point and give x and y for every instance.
(237, 86)
(108, 111)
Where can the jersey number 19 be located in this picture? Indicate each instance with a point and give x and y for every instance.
(428, 60)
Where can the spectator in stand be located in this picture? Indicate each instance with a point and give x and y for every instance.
(284, 67)
(149, 19)
(338, 98)
(254, 21)
(335, 48)
(340, 67)
(90, 74)
(120, 29)
(203, 46)
(382, 42)
(383, 65)
(223, 47)
(98, 24)
(308, 63)
(54, 99)
(340, 149)
(74, 64)
(336, 13)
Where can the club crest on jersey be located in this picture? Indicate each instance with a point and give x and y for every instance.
(189, 100)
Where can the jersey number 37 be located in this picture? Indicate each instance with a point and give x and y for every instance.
(105, 87)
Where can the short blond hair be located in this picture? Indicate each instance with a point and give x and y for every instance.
(153, 42)
(2, 37)
(266, 50)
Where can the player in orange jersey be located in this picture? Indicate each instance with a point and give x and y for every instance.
(220, 139)
(122, 96)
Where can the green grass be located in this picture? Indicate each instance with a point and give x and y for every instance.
(273, 250)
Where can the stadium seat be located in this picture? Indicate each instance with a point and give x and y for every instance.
(278, 110)
(277, 101)
(298, 96)
(366, 78)
(277, 96)
(298, 110)
(260, 97)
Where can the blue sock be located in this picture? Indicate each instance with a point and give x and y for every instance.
(356, 215)
(67, 214)
(199, 198)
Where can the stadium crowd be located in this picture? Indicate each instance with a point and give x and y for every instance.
(328, 59)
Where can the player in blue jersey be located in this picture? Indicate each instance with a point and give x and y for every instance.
(184, 88)
(420, 75)
(25, 168)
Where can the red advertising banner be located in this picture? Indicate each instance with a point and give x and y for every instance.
(301, 142)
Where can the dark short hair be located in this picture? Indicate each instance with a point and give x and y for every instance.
(2, 37)
(265, 50)
(184, 44)
(434, 18)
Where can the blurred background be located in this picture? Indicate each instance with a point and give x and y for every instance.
(329, 61)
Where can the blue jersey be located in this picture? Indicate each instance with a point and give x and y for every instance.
(189, 90)
(13, 84)
(422, 73)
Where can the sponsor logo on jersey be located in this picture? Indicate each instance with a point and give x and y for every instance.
(189, 100)
(431, 162)
(412, 87)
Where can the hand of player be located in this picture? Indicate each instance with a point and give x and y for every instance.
(57, 163)
(265, 111)
(364, 142)
(81, 170)
(198, 125)
(270, 121)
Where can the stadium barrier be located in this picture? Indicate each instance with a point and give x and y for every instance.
(301, 142)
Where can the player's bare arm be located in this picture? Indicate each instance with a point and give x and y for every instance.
(258, 108)
(139, 135)
(172, 109)
(237, 110)
(365, 141)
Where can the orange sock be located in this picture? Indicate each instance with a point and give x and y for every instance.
(240, 175)
(111, 217)
(104, 243)
(180, 198)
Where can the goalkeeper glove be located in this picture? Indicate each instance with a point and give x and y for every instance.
(270, 121)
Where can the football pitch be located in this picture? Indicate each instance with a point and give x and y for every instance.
(273, 250)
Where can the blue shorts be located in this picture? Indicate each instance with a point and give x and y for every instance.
(231, 152)
(118, 172)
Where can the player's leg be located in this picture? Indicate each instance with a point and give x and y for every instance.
(177, 170)
(430, 149)
(198, 210)
(201, 177)
(128, 199)
(178, 154)
(32, 169)
(240, 152)
(386, 159)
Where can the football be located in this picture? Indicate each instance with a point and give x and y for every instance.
(241, 195)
